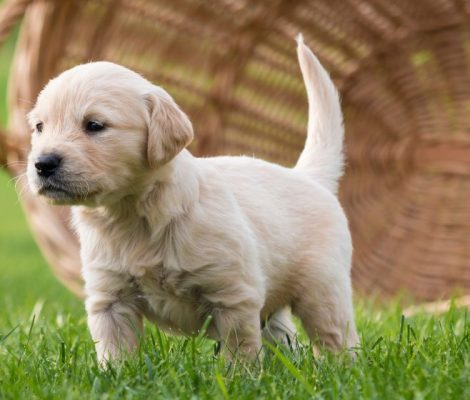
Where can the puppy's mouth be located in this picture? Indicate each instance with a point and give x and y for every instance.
(63, 194)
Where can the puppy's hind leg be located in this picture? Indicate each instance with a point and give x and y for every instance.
(324, 305)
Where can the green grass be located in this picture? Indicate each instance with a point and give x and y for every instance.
(46, 352)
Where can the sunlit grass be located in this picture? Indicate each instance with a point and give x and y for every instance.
(46, 352)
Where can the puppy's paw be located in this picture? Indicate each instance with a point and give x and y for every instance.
(280, 329)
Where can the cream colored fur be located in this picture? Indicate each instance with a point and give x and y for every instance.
(180, 239)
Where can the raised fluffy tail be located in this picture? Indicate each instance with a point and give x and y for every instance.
(322, 157)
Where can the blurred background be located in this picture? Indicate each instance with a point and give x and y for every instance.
(26, 281)
(402, 68)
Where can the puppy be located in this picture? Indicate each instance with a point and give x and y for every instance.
(180, 239)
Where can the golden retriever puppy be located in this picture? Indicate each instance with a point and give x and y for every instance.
(180, 239)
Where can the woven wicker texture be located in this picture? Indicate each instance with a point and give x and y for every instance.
(403, 71)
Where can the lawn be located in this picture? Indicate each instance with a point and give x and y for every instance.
(46, 352)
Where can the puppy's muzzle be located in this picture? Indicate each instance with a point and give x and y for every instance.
(48, 164)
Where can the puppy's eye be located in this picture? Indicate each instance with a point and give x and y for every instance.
(39, 127)
(94, 126)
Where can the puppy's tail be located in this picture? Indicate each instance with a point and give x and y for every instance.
(322, 157)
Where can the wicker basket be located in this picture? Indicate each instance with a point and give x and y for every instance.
(403, 68)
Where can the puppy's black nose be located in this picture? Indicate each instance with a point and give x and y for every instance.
(47, 164)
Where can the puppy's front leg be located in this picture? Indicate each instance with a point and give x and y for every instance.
(239, 334)
(236, 321)
(114, 315)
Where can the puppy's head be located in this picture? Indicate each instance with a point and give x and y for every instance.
(99, 130)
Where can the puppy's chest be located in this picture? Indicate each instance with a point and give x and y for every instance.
(172, 299)
(152, 266)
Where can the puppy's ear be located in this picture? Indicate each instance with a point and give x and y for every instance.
(169, 128)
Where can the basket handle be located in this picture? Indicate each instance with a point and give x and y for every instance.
(9, 149)
(3, 149)
(10, 13)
